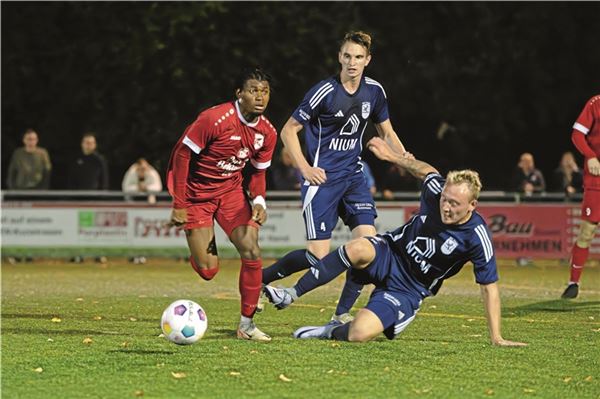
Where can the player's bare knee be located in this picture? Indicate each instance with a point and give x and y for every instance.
(249, 249)
(586, 234)
(360, 252)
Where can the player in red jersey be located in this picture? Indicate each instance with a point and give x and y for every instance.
(586, 137)
(205, 180)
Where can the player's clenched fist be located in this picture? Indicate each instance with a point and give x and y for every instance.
(314, 175)
(178, 217)
(259, 214)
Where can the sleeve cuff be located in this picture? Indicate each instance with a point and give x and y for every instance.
(259, 200)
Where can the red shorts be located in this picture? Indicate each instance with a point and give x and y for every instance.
(230, 209)
(590, 207)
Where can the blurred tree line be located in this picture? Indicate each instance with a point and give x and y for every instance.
(500, 79)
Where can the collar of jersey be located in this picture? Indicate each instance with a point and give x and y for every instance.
(239, 114)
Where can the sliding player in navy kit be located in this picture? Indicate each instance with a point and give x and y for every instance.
(411, 262)
(334, 115)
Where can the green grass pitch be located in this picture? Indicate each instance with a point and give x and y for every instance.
(92, 331)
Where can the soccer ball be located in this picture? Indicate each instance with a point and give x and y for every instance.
(184, 322)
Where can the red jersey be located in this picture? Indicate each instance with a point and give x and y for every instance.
(586, 137)
(210, 155)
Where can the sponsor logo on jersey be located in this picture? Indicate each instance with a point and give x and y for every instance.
(339, 114)
(366, 109)
(304, 115)
(235, 138)
(421, 249)
(449, 245)
(259, 141)
(243, 153)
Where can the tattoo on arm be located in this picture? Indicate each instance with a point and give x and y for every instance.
(418, 169)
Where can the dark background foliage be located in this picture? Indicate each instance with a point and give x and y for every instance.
(507, 77)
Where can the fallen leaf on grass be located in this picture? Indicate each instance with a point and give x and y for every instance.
(591, 317)
(321, 310)
(284, 378)
(475, 335)
(38, 370)
(253, 351)
(50, 340)
(335, 345)
(235, 373)
(470, 320)
(528, 390)
(79, 299)
(56, 320)
(132, 319)
(489, 392)
(178, 375)
(87, 340)
(386, 369)
(596, 330)
(124, 344)
(329, 371)
(567, 379)
(420, 391)
(225, 348)
(138, 393)
(588, 378)
(97, 317)
(161, 335)
(433, 307)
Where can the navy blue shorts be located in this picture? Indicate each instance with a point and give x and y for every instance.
(396, 298)
(348, 199)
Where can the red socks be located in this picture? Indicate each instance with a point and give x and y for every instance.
(250, 285)
(206, 274)
(578, 259)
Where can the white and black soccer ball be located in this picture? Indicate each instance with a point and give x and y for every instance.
(184, 322)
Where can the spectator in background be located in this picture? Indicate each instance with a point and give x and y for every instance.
(567, 176)
(397, 179)
(89, 171)
(527, 179)
(141, 177)
(285, 175)
(30, 166)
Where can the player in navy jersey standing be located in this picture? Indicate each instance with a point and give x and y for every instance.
(411, 262)
(334, 115)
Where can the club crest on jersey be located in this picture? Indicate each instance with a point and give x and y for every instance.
(366, 109)
(449, 245)
(243, 153)
(259, 140)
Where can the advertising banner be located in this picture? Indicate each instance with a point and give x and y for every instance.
(519, 231)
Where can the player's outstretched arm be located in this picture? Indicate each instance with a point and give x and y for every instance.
(491, 301)
(289, 136)
(387, 133)
(383, 151)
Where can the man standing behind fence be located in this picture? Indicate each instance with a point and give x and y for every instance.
(89, 170)
(30, 166)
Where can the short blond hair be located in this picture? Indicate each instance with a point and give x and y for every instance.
(358, 37)
(468, 177)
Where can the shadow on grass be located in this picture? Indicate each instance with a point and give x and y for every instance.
(224, 332)
(553, 306)
(141, 352)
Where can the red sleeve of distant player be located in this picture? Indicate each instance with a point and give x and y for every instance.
(260, 162)
(582, 126)
(582, 145)
(195, 138)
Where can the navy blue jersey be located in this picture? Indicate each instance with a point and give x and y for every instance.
(431, 251)
(335, 122)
